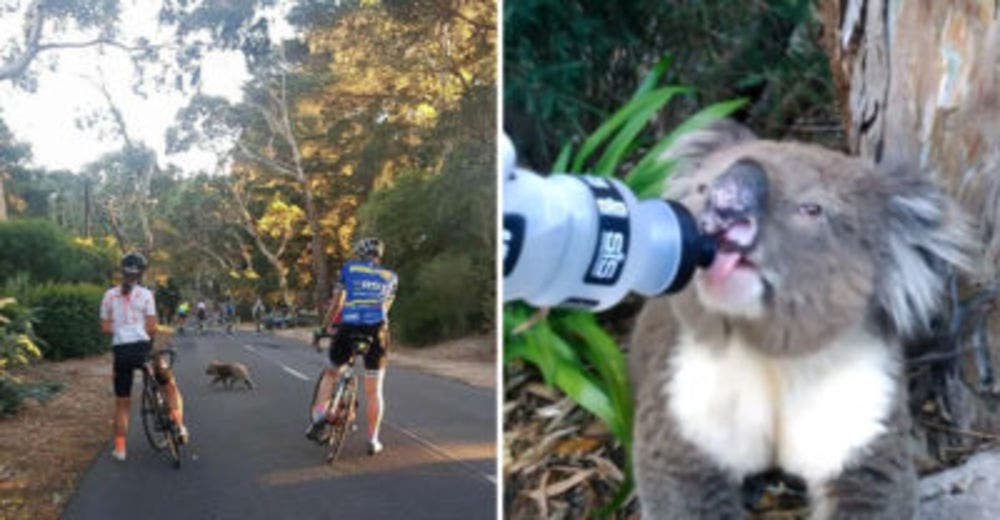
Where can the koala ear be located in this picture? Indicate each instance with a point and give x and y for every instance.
(926, 238)
(690, 150)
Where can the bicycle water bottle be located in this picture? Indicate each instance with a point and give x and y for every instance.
(585, 241)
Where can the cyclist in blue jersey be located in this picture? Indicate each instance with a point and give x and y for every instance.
(362, 297)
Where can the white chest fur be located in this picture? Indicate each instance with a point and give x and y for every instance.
(808, 415)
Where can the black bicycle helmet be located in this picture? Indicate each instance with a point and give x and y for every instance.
(369, 248)
(133, 263)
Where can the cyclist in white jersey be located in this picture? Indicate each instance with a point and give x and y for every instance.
(128, 313)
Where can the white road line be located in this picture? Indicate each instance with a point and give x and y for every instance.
(294, 372)
(442, 453)
(283, 366)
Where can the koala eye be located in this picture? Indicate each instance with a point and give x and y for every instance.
(702, 188)
(810, 209)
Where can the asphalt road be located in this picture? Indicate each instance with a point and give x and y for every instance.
(248, 456)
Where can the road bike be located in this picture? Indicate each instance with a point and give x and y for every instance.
(342, 407)
(162, 432)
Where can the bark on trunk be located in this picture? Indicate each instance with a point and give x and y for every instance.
(918, 83)
(316, 243)
(3, 200)
(86, 208)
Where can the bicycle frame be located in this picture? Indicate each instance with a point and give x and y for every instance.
(348, 382)
(156, 418)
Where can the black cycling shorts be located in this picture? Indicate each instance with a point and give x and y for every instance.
(129, 357)
(375, 356)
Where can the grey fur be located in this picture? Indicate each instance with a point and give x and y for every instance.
(229, 374)
(876, 259)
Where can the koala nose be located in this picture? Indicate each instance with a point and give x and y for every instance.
(738, 195)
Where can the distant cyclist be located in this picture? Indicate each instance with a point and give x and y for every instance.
(182, 314)
(258, 312)
(362, 297)
(229, 311)
(128, 313)
(201, 312)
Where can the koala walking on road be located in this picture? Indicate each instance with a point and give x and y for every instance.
(229, 374)
(786, 353)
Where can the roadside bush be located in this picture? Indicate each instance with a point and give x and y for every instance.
(48, 254)
(441, 302)
(10, 397)
(13, 393)
(17, 337)
(17, 347)
(68, 322)
(438, 232)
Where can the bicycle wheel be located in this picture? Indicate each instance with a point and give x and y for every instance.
(347, 393)
(151, 423)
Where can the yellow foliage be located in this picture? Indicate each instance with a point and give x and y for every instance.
(28, 346)
(280, 218)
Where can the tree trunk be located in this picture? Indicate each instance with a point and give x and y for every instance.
(3, 199)
(316, 243)
(86, 208)
(273, 256)
(918, 84)
(918, 81)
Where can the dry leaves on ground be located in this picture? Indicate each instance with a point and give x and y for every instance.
(559, 461)
(45, 448)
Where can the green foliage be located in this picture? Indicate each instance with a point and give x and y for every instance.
(46, 253)
(569, 64)
(13, 392)
(439, 233)
(439, 303)
(17, 347)
(17, 337)
(68, 320)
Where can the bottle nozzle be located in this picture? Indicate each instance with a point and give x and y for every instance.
(706, 250)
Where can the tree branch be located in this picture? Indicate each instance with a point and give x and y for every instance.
(270, 163)
(18, 64)
(35, 17)
(90, 43)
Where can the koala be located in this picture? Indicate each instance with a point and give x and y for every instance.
(786, 352)
(229, 374)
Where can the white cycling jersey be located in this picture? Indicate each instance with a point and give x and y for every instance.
(128, 313)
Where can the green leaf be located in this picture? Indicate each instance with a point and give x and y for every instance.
(603, 353)
(562, 162)
(615, 122)
(654, 75)
(625, 139)
(649, 173)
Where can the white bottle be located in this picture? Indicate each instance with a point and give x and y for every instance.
(585, 241)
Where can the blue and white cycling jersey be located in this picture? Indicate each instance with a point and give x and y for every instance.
(367, 286)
